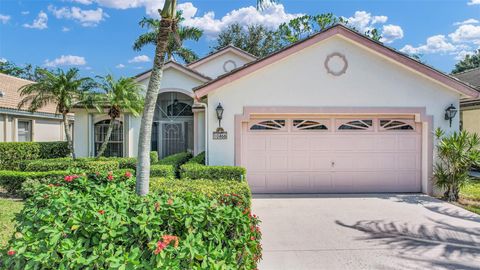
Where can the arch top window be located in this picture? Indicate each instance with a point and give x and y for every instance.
(356, 125)
(392, 124)
(309, 125)
(269, 125)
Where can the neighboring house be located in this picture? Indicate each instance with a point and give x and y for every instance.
(336, 112)
(20, 125)
(470, 107)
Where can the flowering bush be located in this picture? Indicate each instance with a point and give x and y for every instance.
(100, 223)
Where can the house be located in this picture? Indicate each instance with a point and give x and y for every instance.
(19, 125)
(336, 112)
(470, 107)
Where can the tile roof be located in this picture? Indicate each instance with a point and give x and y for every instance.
(9, 86)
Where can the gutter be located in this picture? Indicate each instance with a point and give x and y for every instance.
(33, 114)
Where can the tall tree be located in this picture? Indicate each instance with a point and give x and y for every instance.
(255, 39)
(167, 26)
(65, 89)
(470, 61)
(174, 48)
(27, 72)
(119, 96)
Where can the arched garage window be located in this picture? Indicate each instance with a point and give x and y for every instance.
(115, 144)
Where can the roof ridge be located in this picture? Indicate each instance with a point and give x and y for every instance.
(465, 71)
(15, 77)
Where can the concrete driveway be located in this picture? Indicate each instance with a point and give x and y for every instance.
(366, 232)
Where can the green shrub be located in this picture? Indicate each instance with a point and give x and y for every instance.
(101, 224)
(198, 159)
(126, 163)
(53, 150)
(13, 153)
(12, 180)
(153, 157)
(88, 165)
(176, 161)
(220, 190)
(198, 171)
(167, 171)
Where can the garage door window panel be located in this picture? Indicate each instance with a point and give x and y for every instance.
(393, 124)
(269, 125)
(315, 125)
(354, 125)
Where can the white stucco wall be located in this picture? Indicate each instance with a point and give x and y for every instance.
(45, 130)
(301, 80)
(81, 134)
(2, 128)
(214, 67)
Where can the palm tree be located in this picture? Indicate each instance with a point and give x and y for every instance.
(122, 95)
(174, 48)
(60, 88)
(167, 26)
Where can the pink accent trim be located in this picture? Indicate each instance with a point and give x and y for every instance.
(347, 33)
(248, 112)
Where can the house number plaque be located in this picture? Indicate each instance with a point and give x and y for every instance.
(219, 134)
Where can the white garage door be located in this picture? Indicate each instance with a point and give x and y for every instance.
(332, 155)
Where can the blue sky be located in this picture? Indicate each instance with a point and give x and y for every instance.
(97, 35)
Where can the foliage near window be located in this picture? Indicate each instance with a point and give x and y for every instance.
(166, 171)
(176, 160)
(13, 153)
(198, 159)
(234, 191)
(100, 223)
(86, 165)
(470, 61)
(456, 153)
(198, 171)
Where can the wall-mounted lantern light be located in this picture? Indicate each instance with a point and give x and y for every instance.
(219, 111)
(450, 113)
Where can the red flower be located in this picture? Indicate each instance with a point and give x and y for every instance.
(70, 178)
(157, 206)
(170, 201)
(50, 185)
(128, 174)
(252, 238)
(167, 239)
(110, 177)
(101, 212)
(11, 252)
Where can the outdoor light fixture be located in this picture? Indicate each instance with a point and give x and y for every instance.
(450, 113)
(219, 111)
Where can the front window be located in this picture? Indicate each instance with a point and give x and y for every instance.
(115, 144)
(24, 131)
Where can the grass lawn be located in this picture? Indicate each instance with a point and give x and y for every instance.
(8, 209)
(470, 196)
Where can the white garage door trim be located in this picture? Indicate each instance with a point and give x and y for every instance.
(333, 117)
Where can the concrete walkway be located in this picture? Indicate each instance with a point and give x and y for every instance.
(366, 232)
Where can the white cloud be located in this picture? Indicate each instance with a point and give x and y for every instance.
(270, 16)
(66, 60)
(469, 21)
(364, 21)
(4, 18)
(120, 66)
(26, 12)
(65, 29)
(3, 60)
(461, 54)
(139, 59)
(435, 44)
(38, 23)
(473, 2)
(391, 32)
(85, 17)
(466, 33)
(84, 2)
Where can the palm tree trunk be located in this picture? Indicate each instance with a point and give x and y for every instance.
(143, 163)
(104, 145)
(68, 133)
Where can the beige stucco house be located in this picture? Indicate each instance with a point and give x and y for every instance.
(470, 107)
(18, 125)
(336, 112)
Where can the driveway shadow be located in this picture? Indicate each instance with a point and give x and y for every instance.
(411, 239)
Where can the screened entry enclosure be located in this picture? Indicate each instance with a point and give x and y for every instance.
(172, 130)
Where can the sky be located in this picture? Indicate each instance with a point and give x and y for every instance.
(96, 36)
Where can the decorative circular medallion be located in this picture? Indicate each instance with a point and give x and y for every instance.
(336, 64)
(229, 65)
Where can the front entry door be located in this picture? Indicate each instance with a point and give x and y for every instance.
(172, 138)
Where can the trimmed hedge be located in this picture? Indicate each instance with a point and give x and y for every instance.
(166, 171)
(12, 153)
(198, 171)
(153, 157)
(87, 165)
(12, 180)
(219, 190)
(176, 160)
(198, 159)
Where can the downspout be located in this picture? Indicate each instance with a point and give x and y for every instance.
(205, 105)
